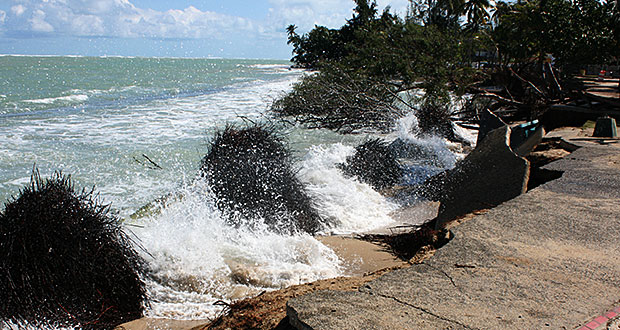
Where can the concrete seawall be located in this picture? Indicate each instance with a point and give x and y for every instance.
(548, 259)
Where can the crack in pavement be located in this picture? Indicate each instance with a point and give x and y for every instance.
(443, 272)
(426, 311)
(449, 277)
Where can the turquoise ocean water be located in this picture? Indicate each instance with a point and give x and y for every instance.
(92, 117)
(96, 118)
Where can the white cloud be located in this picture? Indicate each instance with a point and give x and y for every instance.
(38, 23)
(2, 20)
(305, 14)
(18, 10)
(120, 18)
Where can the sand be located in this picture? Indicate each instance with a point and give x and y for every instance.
(364, 261)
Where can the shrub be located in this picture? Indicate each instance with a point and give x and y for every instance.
(374, 163)
(65, 261)
(251, 173)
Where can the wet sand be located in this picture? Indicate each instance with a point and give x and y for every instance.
(363, 262)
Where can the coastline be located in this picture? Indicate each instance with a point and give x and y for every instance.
(367, 261)
(364, 262)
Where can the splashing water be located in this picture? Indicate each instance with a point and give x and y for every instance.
(197, 259)
(99, 132)
(355, 205)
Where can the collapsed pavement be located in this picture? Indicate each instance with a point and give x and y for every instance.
(545, 259)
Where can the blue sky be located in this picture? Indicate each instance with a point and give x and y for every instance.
(178, 28)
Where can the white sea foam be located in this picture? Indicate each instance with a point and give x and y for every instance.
(270, 66)
(354, 205)
(101, 146)
(274, 68)
(65, 99)
(195, 256)
(198, 259)
(438, 150)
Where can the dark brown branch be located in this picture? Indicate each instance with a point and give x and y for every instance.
(529, 83)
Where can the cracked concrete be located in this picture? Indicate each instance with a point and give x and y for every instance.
(548, 259)
(330, 310)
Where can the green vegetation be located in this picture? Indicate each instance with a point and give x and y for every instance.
(446, 47)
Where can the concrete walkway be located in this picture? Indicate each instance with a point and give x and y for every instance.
(548, 259)
(604, 90)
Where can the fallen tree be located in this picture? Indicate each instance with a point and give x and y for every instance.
(522, 92)
(340, 100)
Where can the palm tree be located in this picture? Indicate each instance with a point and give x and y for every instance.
(477, 13)
(452, 7)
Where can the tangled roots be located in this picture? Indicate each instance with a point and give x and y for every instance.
(64, 261)
(251, 173)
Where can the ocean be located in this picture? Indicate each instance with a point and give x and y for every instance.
(106, 120)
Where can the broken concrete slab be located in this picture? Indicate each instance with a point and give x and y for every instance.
(341, 310)
(511, 269)
(524, 137)
(488, 122)
(531, 141)
(491, 174)
(548, 259)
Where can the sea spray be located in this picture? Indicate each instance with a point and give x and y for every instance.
(437, 149)
(354, 204)
(197, 258)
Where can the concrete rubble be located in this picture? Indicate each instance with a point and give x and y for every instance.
(547, 259)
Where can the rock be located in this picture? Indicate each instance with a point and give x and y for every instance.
(487, 177)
